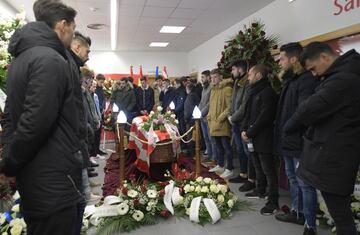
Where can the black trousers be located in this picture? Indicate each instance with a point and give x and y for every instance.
(97, 134)
(340, 210)
(59, 223)
(266, 175)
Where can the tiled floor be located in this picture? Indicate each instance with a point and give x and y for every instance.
(242, 223)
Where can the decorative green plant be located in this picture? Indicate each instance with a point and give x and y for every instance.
(254, 46)
(7, 29)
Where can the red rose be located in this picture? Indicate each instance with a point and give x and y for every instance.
(254, 25)
(165, 213)
(124, 191)
(225, 46)
(162, 192)
(164, 183)
(136, 202)
(143, 189)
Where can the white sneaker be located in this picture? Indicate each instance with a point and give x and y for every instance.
(98, 156)
(92, 160)
(217, 169)
(227, 174)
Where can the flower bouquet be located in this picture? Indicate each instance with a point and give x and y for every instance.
(135, 205)
(7, 29)
(12, 222)
(215, 200)
(157, 120)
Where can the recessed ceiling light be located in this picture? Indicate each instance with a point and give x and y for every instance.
(97, 26)
(172, 29)
(291, 0)
(159, 44)
(114, 23)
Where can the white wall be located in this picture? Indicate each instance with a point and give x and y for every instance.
(120, 62)
(294, 21)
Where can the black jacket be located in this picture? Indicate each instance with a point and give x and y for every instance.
(179, 100)
(331, 153)
(191, 101)
(296, 89)
(145, 99)
(259, 115)
(166, 98)
(44, 147)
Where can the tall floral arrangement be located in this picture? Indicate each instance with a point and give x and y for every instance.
(7, 29)
(253, 45)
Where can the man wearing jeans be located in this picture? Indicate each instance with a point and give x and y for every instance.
(298, 85)
(220, 101)
(204, 108)
(330, 158)
(237, 111)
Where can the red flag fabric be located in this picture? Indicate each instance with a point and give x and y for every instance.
(141, 72)
(164, 72)
(131, 71)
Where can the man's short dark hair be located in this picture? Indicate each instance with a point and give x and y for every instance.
(261, 68)
(190, 86)
(313, 50)
(81, 39)
(159, 77)
(180, 80)
(100, 77)
(130, 79)
(124, 79)
(244, 65)
(293, 49)
(143, 78)
(53, 11)
(206, 73)
(167, 80)
(215, 71)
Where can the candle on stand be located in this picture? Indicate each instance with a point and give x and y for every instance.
(197, 115)
(120, 122)
(172, 106)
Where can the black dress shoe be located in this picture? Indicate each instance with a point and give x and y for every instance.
(248, 186)
(238, 179)
(292, 217)
(92, 174)
(101, 153)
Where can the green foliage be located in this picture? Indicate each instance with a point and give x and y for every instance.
(254, 46)
(7, 28)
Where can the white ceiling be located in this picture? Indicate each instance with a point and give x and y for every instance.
(140, 20)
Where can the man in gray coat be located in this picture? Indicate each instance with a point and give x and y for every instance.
(204, 108)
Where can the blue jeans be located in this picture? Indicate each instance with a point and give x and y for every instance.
(209, 140)
(308, 202)
(290, 169)
(223, 146)
(239, 144)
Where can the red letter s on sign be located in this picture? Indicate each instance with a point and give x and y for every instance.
(336, 4)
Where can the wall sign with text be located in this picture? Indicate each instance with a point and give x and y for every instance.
(344, 6)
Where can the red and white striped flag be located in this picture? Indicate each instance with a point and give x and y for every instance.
(164, 73)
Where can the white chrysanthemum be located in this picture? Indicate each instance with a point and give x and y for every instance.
(151, 193)
(220, 198)
(199, 179)
(15, 221)
(138, 215)
(2, 219)
(16, 208)
(205, 189)
(207, 180)
(230, 203)
(198, 189)
(187, 188)
(176, 121)
(223, 188)
(16, 229)
(123, 208)
(214, 188)
(192, 188)
(159, 108)
(173, 115)
(148, 208)
(133, 193)
(187, 211)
